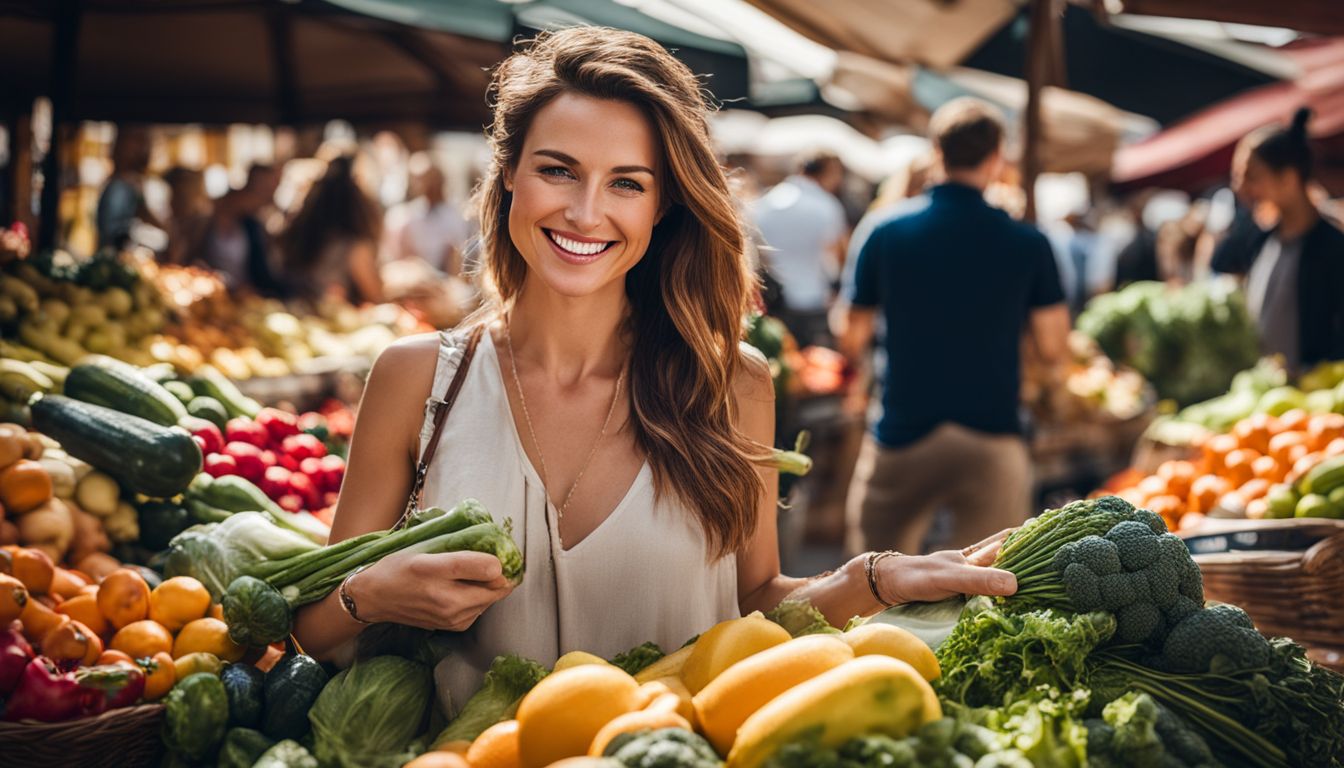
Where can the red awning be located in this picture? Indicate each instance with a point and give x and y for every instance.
(1197, 151)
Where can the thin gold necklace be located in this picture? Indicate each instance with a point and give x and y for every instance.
(527, 418)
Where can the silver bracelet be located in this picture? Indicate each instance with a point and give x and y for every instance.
(348, 602)
(870, 568)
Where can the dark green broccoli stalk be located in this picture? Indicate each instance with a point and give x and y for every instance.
(636, 659)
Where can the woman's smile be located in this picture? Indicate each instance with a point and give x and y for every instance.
(576, 249)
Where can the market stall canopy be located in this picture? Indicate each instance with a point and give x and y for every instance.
(1161, 76)
(304, 61)
(1197, 152)
(1321, 17)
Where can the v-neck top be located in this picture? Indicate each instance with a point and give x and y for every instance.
(645, 573)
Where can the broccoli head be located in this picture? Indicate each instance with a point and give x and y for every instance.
(1100, 555)
(1136, 543)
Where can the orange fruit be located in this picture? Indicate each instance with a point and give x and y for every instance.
(439, 759)
(178, 601)
(1294, 420)
(1254, 488)
(1281, 444)
(1268, 468)
(1205, 492)
(142, 638)
(207, 635)
(1179, 475)
(1216, 449)
(160, 676)
(84, 609)
(1237, 465)
(123, 597)
(496, 747)
(1323, 428)
(112, 657)
(1336, 447)
(216, 612)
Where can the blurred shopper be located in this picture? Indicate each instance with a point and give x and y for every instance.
(804, 228)
(331, 245)
(428, 227)
(122, 201)
(1295, 277)
(237, 245)
(189, 211)
(957, 283)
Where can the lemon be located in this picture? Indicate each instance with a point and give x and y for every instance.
(885, 640)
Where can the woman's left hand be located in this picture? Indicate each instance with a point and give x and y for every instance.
(940, 575)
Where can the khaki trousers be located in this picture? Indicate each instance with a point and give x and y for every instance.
(983, 480)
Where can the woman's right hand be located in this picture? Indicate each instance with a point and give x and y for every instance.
(445, 591)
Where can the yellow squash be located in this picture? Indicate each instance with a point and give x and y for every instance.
(750, 684)
(564, 712)
(871, 694)
(668, 666)
(727, 643)
(886, 640)
(575, 659)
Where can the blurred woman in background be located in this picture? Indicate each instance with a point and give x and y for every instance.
(331, 246)
(1295, 274)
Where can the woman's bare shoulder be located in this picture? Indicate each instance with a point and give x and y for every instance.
(406, 367)
(753, 381)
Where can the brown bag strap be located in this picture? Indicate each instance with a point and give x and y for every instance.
(441, 409)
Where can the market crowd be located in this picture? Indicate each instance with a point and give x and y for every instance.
(329, 237)
(933, 293)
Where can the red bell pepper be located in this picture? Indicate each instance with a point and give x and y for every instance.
(278, 424)
(219, 465)
(248, 459)
(47, 694)
(15, 653)
(210, 438)
(302, 446)
(245, 430)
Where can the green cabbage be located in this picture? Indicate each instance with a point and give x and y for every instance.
(367, 716)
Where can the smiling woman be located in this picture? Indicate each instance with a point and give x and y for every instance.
(603, 403)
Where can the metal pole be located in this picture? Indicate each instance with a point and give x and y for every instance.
(64, 54)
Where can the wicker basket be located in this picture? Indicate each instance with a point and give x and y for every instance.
(121, 738)
(1287, 574)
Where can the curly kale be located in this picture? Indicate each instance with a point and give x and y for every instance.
(639, 657)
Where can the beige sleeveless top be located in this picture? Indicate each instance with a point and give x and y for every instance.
(643, 574)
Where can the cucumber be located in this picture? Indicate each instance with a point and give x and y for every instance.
(179, 389)
(231, 493)
(143, 456)
(210, 382)
(1324, 477)
(210, 409)
(104, 381)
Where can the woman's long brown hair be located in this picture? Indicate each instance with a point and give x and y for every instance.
(689, 293)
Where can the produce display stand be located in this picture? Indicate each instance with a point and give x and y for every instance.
(318, 381)
(1287, 574)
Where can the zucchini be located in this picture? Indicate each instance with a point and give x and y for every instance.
(143, 456)
(230, 493)
(1324, 477)
(104, 381)
(210, 409)
(209, 382)
(179, 389)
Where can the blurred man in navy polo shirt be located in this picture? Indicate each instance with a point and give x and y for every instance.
(957, 282)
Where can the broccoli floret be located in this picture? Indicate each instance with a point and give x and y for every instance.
(1136, 622)
(1218, 635)
(1192, 581)
(1151, 519)
(1113, 505)
(1101, 556)
(800, 618)
(1137, 544)
(878, 750)
(1117, 591)
(668, 748)
(1180, 609)
(1064, 556)
(639, 657)
(1164, 582)
(1082, 587)
(1134, 718)
(1173, 548)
